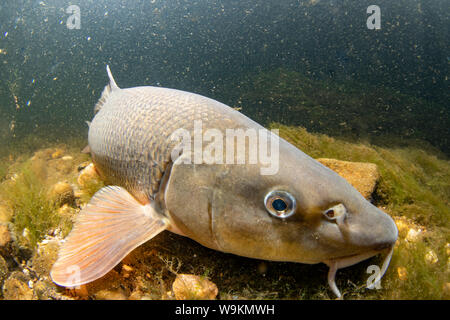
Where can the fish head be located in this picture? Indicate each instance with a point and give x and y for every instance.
(304, 212)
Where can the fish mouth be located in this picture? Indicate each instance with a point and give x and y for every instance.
(342, 262)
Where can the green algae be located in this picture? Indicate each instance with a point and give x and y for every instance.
(34, 213)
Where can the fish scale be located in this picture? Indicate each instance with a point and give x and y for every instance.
(131, 133)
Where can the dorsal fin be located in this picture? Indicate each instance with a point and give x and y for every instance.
(112, 82)
(112, 86)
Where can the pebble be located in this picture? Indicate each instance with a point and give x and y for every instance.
(414, 235)
(62, 192)
(126, 271)
(431, 257)
(118, 294)
(446, 290)
(3, 271)
(88, 176)
(5, 236)
(402, 273)
(5, 214)
(192, 287)
(57, 154)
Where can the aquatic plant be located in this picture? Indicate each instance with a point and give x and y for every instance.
(34, 213)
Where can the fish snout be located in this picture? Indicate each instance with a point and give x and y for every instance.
(373, 230)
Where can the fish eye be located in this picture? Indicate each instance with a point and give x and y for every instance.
(336, 212)
(280, 204)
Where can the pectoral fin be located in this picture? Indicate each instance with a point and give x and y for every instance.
(106, 230)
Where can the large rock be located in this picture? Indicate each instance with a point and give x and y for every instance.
(361, 175)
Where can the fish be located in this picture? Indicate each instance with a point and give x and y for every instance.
(295, 211)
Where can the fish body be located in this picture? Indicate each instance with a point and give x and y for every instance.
(296, 210)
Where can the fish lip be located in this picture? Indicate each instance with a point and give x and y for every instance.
(354, 257)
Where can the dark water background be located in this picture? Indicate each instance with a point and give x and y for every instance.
(211, 47)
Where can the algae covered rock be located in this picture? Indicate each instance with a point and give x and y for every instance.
(117, 294)
(8, 245)
(3, 271)
(45, 289)
(361, 175)
(45, 256)
(5, 213)
(62, 193)
(192, 287)
(88, 176)
(16, 287)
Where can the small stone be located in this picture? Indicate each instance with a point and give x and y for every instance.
(118, 294)
(26, 237)
(57, 154)
(414, 235)
(402, 273)
(446, 290)
(5, 236)
(126, 271)
(5, 213)
(8, 244)
(88, 176)
(3, 270)
(431, 257)
(62, 192)
(192, 287)
(402, 225)
(447, 249)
